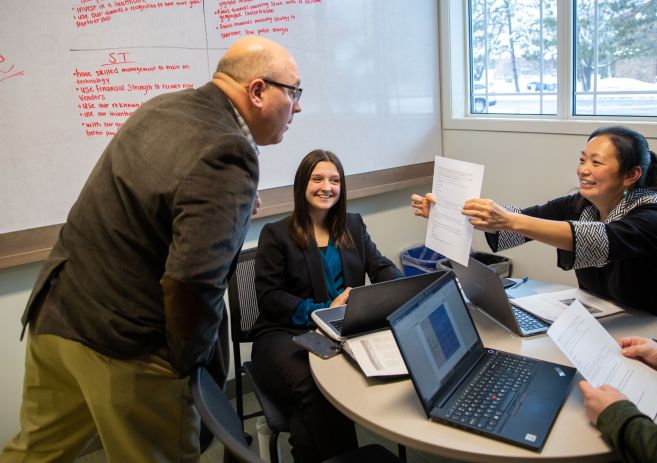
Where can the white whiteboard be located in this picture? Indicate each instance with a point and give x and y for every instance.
(72, 71)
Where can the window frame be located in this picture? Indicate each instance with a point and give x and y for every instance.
(455, 83)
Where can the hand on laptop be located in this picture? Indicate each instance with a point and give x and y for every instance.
(342, 298)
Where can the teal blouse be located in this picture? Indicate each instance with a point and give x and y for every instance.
(334, 281)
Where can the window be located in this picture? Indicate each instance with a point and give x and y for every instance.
(615, 57)
(609, 68)
(513, 56)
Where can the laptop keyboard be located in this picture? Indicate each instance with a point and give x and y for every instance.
(337, 324)
(527, 321)
(486, 400)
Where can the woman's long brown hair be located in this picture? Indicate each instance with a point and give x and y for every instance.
(300, 225)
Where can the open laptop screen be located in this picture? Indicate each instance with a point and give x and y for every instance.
(435, 332)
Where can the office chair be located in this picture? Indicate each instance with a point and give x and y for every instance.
(244, 312)
(218, 415)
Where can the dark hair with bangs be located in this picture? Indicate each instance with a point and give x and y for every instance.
(631, 150)
(300, 225)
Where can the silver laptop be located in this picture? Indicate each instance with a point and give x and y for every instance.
(483, 287)
(464, 384)
(369, 305)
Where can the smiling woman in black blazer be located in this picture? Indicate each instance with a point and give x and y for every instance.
(304, 262)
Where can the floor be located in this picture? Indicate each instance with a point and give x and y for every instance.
(215, 452)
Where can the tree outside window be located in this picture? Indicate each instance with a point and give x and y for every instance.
(513, 57)
(615, 57)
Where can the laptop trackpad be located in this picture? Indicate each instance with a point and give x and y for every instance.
(531, 421)
(536, 408)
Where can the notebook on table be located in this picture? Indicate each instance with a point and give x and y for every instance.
(369, 305)
(464, 384)
(483, 287)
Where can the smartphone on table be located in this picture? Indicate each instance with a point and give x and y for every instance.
(318, 344)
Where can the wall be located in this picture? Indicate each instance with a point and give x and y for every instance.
(15, 286)
(16, 283)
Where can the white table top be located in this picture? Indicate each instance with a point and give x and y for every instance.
(392, 409)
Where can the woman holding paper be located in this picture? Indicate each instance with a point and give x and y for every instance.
(623, 426)
(304, 262)
(607, 232)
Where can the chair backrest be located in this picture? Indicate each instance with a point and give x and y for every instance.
(218, 415)
(242, 297)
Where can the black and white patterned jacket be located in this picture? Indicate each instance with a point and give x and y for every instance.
(615, 258)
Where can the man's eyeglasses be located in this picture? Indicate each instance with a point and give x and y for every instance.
(296, 91)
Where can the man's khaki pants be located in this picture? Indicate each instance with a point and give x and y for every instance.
(140, 408)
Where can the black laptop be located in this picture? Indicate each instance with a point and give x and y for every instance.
(369, 305)
(482, 287)
(464, 384)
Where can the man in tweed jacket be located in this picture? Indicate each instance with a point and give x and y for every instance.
(131, 296)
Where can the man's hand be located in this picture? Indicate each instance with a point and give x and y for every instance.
(256, 204)
(641, 349)
(597, 399)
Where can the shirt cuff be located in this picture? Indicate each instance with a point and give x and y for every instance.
(505, 239)
(301, 315)
(590, 244)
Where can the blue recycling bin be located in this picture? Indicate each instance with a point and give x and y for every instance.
(420, 259)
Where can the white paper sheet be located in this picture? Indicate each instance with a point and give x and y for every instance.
(449, 232)
(377, 354)
(549, 306)
(598, 358)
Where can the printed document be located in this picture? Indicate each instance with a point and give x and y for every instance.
(376, 353)
(549, 306)
(598, 358)
(449, 232)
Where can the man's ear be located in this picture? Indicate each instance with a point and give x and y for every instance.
(255, 89)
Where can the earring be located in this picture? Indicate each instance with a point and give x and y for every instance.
(625, 193)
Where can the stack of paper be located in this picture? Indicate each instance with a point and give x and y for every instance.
(549, 306)
(376, 353)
